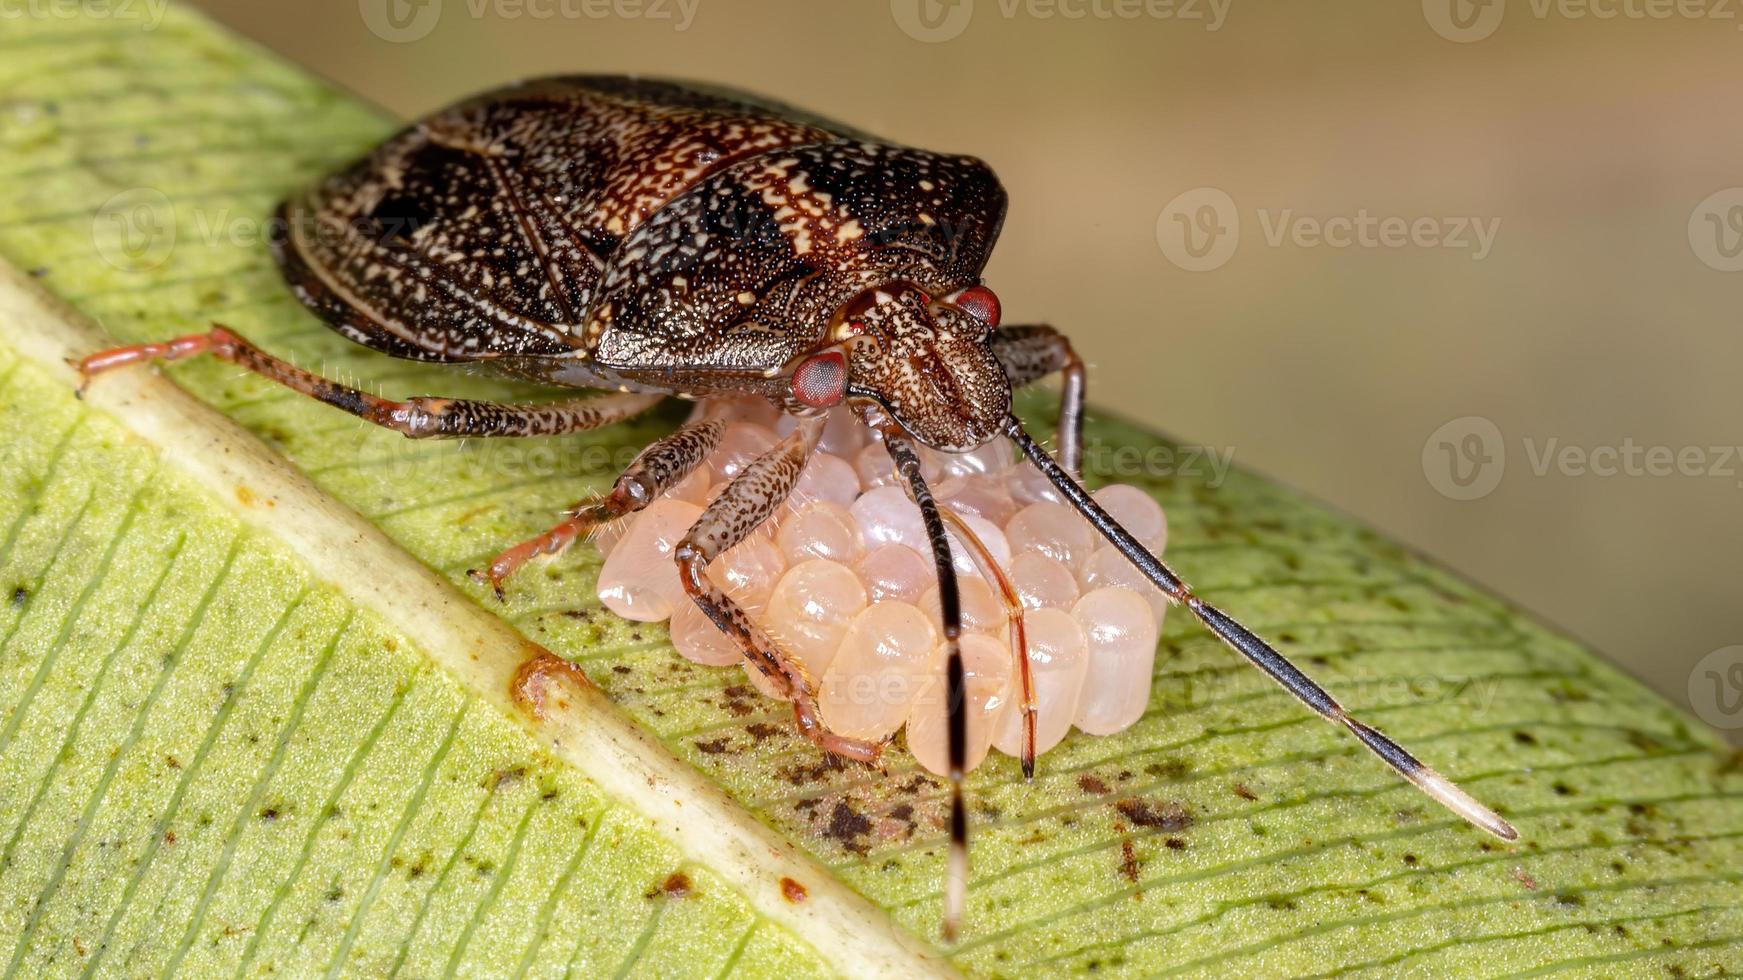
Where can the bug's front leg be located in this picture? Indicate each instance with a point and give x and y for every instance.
(417, 418)
(1030, 353)
(745, 503)
(655, 470)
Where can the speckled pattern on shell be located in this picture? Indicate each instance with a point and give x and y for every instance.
(602, 231)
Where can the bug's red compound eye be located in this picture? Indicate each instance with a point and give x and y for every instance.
(980, 303)
(821, 382)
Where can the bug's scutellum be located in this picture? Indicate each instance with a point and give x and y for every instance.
(655, 239)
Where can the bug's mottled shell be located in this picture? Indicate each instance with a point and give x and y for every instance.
(609, 230)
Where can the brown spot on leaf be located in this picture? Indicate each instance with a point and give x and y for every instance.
(1129, 863)
(848, 827)
(792, 891)
(530, 684)
(676, 885)
(1244, 793)
(1092, 784)
(714, 746)
(1154, 815)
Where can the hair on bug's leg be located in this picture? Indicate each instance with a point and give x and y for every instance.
(417, 418)
(907, 461)
(751, 497)
(1025, 674)
(654, 470)
(1257, 651)
(1029, 353)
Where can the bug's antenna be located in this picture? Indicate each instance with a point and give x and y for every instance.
(907, 462)
(1256, 650)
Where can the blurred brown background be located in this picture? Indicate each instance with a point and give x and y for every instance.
(1541, 244)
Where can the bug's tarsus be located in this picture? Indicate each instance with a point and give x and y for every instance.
(907, 462)
(1256, 650)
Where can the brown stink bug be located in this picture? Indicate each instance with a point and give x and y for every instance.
(656, 239)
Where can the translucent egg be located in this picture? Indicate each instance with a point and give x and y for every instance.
(991, 459)
(876, 675)
(876, 469)
(965, 559)
(820, 530)
(1029, 486)
(1122, 650)
(1059, 661)
(810, 608)
(843, 434)
(691, 489)
(741, 443)
(732, 408)
(1042, 582)
(886, 516)
(699, 640)
(748, 570)
(986, 666)
(1054, 530)
(983, 496)
(639, 580)
(983, 610)
(1137, 512)
(1108, 568)
(825, 477)
(897, 572)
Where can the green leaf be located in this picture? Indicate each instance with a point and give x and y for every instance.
(253, 715)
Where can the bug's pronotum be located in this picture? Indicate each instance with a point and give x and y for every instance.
(657, 239)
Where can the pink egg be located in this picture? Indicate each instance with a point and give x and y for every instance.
(810, 608)
(699, 640)
(1108, 568)
(1137, 512)
(987, 674)
(691, 489)
(1122, 651)
(639, 580)
(843, 434)
(1042, 582)
(825, 477)
(1028, 486)
(820, 530)
(983, 610)
(983, 496)
(992, 459)
(886, 516)
(885, 656)
(741, 443)
(895, 571)
(876, 469)
(1054, 530)
(1059, 661)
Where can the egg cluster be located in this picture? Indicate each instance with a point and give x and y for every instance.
(842, 576)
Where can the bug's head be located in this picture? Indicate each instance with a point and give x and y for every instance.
(923, 359)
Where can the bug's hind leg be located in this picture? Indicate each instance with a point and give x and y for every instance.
(1030, 353)
(417, 418)
(745, 503)
(655, 470)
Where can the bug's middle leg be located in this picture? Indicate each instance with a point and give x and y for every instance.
(745, 503)
(1030, 353)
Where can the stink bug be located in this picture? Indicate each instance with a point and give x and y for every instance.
(656, 239)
